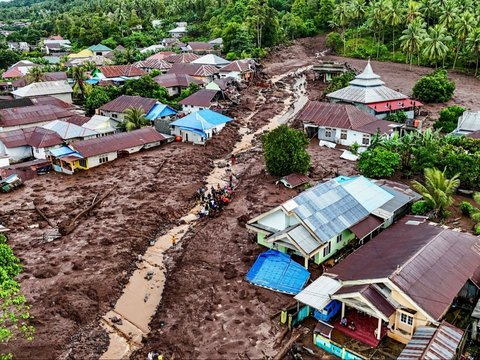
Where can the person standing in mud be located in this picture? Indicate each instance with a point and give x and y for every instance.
(233, 159)
(174, 240)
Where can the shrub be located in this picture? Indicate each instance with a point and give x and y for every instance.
(466, 208)
(334, 41)
(378, 163)
(397, 116)
(284, 150)
(339, 82)
(420, 208)
(354, 148)
(477, 229)
(434, 88)
(449, 118)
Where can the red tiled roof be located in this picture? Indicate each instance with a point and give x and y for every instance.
(173, 80)
(202, 97)
(193, 70)
(153, 64)
(342, 116)
(12, 73)
(117, 142)
(428, 263)
(392, 105)
(35, 136)
(78, 120)
(161, 55)
(32, 114)
(124, 102)
(200, 46)
(121, 70)
(182, 58)
(238, 66)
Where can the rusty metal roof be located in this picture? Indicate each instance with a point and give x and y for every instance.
(34, 136)
(366, 226)
(32, 114)
(161, 55)
(153, 64)
(200, 46)
(342, 116)
(181, 58)
(238, 66)
(296, 179)
(116, 142)
(371, 294)
(429, 343)
(193, 69)
(428, 263)
(114, 71)
(202, 97)
(78, 120)
(173, 80)
(124, 102)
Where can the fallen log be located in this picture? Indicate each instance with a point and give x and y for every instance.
(281, 337)
(284, 350)
(160, 167)
(67, 226)
(44, 217)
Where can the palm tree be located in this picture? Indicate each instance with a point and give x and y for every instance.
(475, 212)
(448, 15)
(80, 87)
(412, 39)
(413, 11)
(375, 21)
(464, 25)
(437, 190)
(134, 119)
(35, 74)
(341, 17)
(394, 16)
(473, 42)
(435, 44)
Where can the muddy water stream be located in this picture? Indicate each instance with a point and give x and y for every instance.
(137, 304)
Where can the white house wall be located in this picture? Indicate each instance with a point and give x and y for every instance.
(95, 160)
(277, 220)
(114, 115)
(352, 136)
(234, 74)
(18, 153)
(191, 108)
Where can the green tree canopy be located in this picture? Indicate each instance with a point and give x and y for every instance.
(378, 163)
(284, 150)
(434, 88)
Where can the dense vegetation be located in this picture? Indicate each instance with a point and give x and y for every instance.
(434, 88)
(419, 151)
(429, 32)
(14, 312)
(247, 26)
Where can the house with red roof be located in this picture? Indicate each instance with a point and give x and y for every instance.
(242, 70)
(343, 124)
(116, 108)
(116, 73)
(202, 99)
(175, 83)
(206, 73)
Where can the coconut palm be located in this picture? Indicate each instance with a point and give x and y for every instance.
(464, 25)
(134, 119)
(473, 43)
(35, 74)
(436, 44)
(438, 190)
(412, 39)
(413, 11)
(449, 14)
(394, 15)
(80, 87)
(475, 212)
(341, 17)
(375, 20)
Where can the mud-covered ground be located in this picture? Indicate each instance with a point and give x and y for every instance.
(208, 310)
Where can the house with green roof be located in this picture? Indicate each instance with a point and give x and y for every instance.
(99, 49)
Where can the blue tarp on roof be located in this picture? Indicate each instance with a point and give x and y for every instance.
(277, 271)
(61, 151)
(160, 110)
(92, 81)
(202, 120)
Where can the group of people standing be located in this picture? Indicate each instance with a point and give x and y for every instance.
(213, 201)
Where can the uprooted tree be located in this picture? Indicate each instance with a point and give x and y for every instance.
(14, 310)
(285, 151)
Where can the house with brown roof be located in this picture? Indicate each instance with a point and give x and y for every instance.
(199, 48)
(184, 58)
(116, 108)
(175, 83)
(406, 278)
(343, 124)
(242, 70)
(202, 99)
(31, 116)
(86, 154)
(117, 73)
(153, 64)
(206, 73)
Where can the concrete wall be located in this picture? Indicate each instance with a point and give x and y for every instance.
(336, 135)
(16, 154)
(95, 160)
(114, 115)
(188, 109)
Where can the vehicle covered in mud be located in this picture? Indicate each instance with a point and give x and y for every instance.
(10, 183)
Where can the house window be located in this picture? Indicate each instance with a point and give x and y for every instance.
(103, 159)
(328, 132)
(37, 150)
(339, 238)
(343, 134)
(82, 162)
(114, 116)
(326, 250)
(366, 140)
(406, 319)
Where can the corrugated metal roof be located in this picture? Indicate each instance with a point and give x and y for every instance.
(99, 47)
(124, 102)
(153, 64)
(240, 66)
(101, 124)
(174, 80)
(42, 138)
(202, 97)
(429, 263)
(162, 55)
(114, 71)
(181, 58)
(200, 46)
(160, 110)
(387, 106)
(469, 121)
(366, 226)
(428, 343)
(304, 239)
(371, 294)
(296, 179)
(318, 293)
(193, 70)
(367, 193)
(32, 114)
(116, 142)
(44, 88)
(201, 120)
(68, 130)
(211, 59)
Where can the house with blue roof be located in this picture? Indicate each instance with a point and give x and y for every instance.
(199, 126)
(322, 220)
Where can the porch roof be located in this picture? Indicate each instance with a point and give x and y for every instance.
(317, 294)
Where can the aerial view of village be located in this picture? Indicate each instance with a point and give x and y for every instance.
(240, 179)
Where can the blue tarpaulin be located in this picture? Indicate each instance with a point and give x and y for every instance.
(277, 271)
(158, 111)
